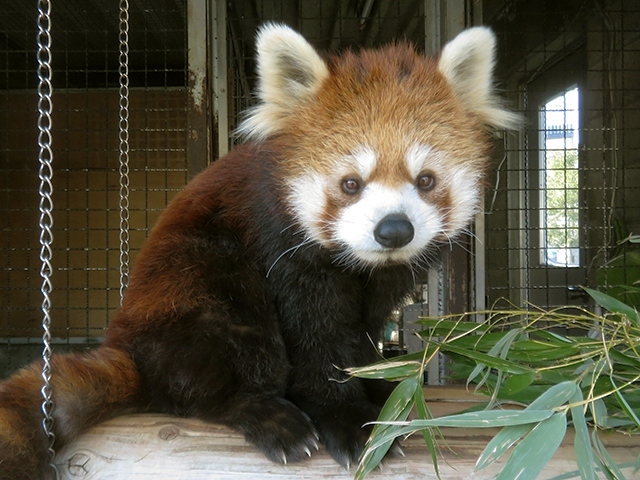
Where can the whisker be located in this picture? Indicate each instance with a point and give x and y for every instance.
(466, 231)
(452, 241)
(413, 273)
(294, 249)
(448, 239)
(287, 228)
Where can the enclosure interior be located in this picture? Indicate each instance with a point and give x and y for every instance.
(562, 194)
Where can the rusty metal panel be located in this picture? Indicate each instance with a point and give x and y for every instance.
(199, 144)
(219, 77)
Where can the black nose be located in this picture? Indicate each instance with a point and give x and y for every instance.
(394, 231)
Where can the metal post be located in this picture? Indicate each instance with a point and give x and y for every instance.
(480, 291)
(219, 73)
(198, 118)
(480, 265)
(444, 19)
(432, 27)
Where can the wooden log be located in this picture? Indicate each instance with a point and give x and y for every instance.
(159, 446)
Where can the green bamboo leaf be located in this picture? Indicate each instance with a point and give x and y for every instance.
(536, 345)
(626, 408)
(623, 359)
(609, 465)
(486, 419)
(607, 473)
(575, 473)
(614, 305)
(534, 451)
(395, 409)
(581, 442)
(488, 360)
(552, 336)
(398, 400)
(500, 349)
(629, 288)
(428, 433)
(554, 397)
(517, 383)
(392, 371)
(483, 419)
(477, 371)
(542, 351)
(620, 423)
(558, 375)
(500, 444)
(480, 343)
(488, 377)
(593, 371)
(599, 412)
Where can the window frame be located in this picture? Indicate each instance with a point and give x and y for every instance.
(543, 161)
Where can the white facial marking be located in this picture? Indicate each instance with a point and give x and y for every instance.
(422, 157)
(463, 185)
(362, 160)
(308, 200)
(465, 189)
(416, 158)
(356, 223)
(353, 228)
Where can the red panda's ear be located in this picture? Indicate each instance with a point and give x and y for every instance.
(289, 72)
(467, 62)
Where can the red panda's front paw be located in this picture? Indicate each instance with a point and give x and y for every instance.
(345, 444)
(282, 431)
(345, 434)
(288, 443)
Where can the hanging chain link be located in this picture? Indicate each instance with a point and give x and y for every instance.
(45, 173)
(124, 146)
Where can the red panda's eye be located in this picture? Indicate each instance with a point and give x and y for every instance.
(426, 181)
(350, 186)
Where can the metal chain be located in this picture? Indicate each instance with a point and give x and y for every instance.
(45, 173)
(124, 146)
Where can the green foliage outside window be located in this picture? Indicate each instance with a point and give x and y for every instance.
(561, 199)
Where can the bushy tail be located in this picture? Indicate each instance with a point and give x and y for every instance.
(87, 388)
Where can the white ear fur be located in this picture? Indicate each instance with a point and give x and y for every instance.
(467, 62)
(289, 72)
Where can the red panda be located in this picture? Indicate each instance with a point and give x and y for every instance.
(279, 264)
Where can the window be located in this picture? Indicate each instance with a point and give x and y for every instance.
(559, 188)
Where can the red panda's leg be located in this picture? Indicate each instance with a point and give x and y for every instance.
(87, 388)
(276, 426)
(342, 418)
(338, 329)
(226, 363)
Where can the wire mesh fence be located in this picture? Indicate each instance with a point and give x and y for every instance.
(564, 193)
(85, 150)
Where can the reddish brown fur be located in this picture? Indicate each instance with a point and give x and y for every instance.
(87, 388)
(387, 99)
(153, 291)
